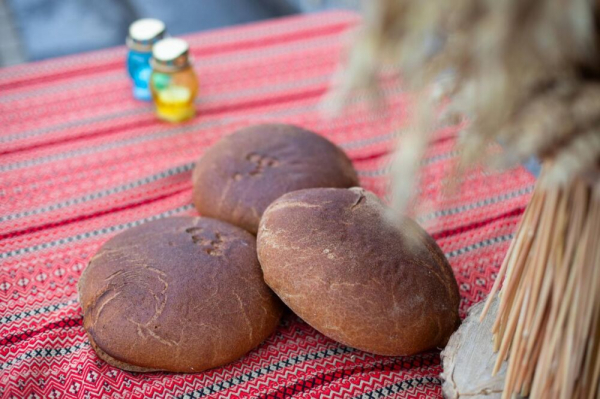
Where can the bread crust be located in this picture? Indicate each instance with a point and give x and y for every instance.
(179, 294)
(238, 177)
(335, 258)
(115, 362)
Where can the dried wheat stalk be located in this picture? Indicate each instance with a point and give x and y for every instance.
(525, 74)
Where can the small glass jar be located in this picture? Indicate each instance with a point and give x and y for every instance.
(173, 83)
(143, 33)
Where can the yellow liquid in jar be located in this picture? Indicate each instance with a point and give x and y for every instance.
(175, 104)
(174, 95)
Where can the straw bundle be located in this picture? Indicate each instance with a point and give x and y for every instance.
(525, 74)
(548, 322)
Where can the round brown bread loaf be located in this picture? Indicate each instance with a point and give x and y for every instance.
(180, 294)
(336, 260)
(237, 178)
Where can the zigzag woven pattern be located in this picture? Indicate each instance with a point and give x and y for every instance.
(80, 161)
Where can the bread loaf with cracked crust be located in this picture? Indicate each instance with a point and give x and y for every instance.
(238, 177)
(335, 258)
(179, 294)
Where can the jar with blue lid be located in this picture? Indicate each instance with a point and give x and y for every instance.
(143, 33)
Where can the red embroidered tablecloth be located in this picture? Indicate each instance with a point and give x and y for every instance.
(81, 161)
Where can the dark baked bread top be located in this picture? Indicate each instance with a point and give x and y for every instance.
(238, 177)
(178, 294)
(336, 259)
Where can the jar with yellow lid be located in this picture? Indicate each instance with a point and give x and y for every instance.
(173, 82)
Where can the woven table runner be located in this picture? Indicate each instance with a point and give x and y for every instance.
(81, 160)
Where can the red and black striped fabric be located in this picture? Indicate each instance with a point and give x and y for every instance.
(80, 161)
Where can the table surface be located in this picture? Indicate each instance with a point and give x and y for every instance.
(81, 161)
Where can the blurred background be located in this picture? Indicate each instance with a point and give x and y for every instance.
(33, 30)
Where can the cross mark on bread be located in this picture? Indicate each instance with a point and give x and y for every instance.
(212, 247)
(261, 163)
